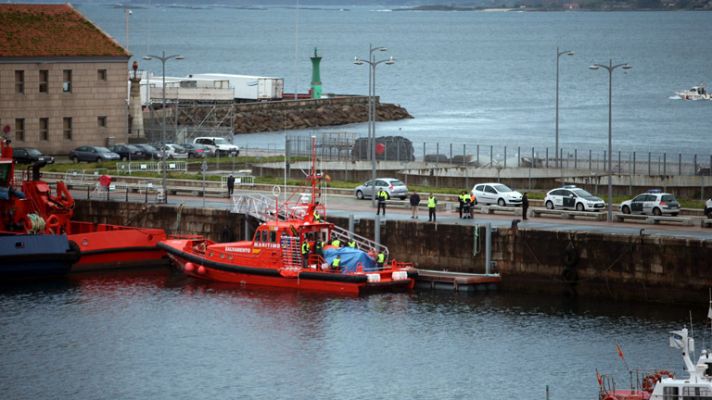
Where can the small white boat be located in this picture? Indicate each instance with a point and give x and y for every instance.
(694, 93)
(662, 385)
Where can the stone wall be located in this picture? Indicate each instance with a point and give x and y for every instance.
(611, 266)
(93, 95)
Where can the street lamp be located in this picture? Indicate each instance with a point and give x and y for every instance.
(558, 55)
(610, 67)
(163, 58)
(372, 104)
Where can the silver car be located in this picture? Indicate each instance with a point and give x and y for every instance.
(653, 202)
(496, 193)
(392, 186)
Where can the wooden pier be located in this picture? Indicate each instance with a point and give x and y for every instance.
(457, 281)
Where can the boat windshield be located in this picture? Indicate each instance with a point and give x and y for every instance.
(4, 172)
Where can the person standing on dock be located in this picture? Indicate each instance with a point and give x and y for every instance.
(462, 198)
(432, 203)
(525, 205)
(414, 202)
(382, 196)
(230, 185)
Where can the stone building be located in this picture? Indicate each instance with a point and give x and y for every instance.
(63, 81)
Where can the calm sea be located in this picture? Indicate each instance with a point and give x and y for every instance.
(467, 77)
(157, 335)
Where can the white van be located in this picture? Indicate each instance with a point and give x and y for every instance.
(219, 145)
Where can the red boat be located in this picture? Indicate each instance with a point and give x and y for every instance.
(25, 254)
(274, 256)
(39, 210)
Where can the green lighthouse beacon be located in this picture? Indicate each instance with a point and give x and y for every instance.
(316, 79)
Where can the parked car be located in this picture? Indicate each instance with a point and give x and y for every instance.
(128, 151)
(92, 154)
(29, 155)
(571, 197)
(221, 145)
(708, 208)
(653, 202)
(196, 150)
(149, 151)
(496, 193)
(173, 151)
(392, 186)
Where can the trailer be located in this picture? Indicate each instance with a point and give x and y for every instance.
(249, 87)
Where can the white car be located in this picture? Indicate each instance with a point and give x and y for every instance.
(173, 151)
(571, 197)
(653, 202)
(496, 193)
(219, 145)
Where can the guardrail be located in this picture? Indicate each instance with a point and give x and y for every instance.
(151, 166)
(652, 219)
(566, 214)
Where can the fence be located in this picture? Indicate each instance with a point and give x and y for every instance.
(150, 166)
(345, 147)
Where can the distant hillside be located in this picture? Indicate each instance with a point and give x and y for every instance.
(433, 5)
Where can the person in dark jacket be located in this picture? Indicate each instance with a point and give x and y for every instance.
(230, 185)
(414, 202)
(525, 206)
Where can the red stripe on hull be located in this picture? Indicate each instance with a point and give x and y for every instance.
(120, 259)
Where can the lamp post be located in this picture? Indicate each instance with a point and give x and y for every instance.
(558, 56)
(163, 58)
(610, 68)
(372, 104)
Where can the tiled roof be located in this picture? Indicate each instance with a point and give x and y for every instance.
(56, 30)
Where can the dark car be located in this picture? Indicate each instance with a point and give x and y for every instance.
(92, 154)
(149, 151)
(196, 150)
(29, 155)
(128, 152)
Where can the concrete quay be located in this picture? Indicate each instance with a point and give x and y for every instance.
(573, 258)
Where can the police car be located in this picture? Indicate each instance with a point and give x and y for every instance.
(570, 197)
(652, 202)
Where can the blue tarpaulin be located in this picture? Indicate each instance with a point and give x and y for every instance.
(350, 259)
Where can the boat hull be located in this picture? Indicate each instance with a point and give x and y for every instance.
(199, 267)
(36, 256)
(104, 246)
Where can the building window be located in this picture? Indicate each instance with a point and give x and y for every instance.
(20, 82)
(44, 128)
(44, 81)
(101, 121)
(20, 129)
(67, 128)
(67, 84)
(101, 74)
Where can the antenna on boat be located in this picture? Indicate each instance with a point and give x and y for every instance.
(692, 334)
(709, 312)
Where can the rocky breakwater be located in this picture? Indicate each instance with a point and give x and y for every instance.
(271, 116)
(303, 114)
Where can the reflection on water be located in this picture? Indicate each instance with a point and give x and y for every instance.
(156, 334)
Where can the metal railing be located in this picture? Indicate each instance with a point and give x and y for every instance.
(150, 166)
